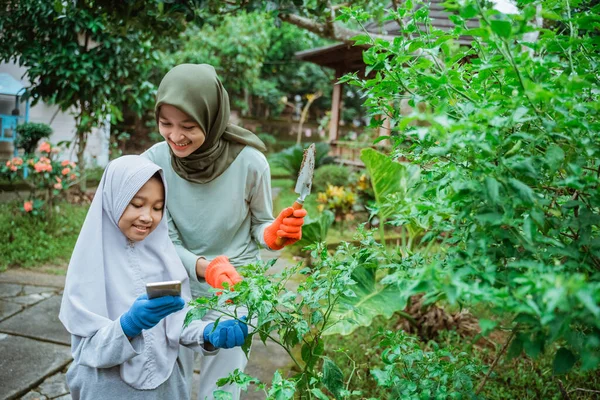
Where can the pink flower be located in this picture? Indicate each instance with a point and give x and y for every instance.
(42, 167)
(13, 168)
(45, 147)
(17, 161)
(58, 186)
(73, 177)
(58, 180)
(28, 206)
(64, 163)
(8, 163)
(66, 171)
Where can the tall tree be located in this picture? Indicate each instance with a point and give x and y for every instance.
(90, 57)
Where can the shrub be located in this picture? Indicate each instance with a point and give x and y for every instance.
(335, 175)
(46, 176)
(29, 134)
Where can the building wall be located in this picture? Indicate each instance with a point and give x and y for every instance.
(63, 124)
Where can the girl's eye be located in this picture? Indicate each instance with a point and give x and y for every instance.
(158, 208)
(136, 205)
(188, 128)
(165, 123)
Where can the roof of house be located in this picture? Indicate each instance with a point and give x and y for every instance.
(10, 86)
(348, 58)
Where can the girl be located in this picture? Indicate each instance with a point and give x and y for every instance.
(213, 164)
(125, 345)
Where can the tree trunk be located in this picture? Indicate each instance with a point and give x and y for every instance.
(310, 99)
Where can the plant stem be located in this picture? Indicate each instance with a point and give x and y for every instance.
(485, 378)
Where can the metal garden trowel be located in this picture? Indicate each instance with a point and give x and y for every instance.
(304, 182)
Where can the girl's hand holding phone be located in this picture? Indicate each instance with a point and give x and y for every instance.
(146, 313)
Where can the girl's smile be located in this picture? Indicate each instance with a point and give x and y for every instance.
(181, 132)
(143, 214)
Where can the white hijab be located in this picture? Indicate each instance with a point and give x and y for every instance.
(107, 273)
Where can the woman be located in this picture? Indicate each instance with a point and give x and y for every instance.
(220, 206)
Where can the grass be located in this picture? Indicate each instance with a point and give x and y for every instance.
(31, 241)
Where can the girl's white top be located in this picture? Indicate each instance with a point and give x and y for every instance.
(105, 276)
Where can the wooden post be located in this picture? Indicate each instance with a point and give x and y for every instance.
(336, 101)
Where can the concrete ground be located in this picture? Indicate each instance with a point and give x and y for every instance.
(35, 347)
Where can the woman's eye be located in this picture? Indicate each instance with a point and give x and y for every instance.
(188, 128)
(158, 208)
(165, 123)
(136, 205)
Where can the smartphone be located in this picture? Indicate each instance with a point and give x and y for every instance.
(160, 289)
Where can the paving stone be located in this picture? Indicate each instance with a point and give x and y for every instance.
(39, 321)
(28, 289)
(8, 308)
(34, 396)
(24, 362)
(31, 298)
(10, 289)
(65, 397)
(55, 386)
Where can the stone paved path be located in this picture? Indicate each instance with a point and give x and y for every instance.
(34, 346)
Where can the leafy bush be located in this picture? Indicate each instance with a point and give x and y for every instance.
(339, 200)
(335, 175)
(290, 159)
(47, 177)
(412, 373)
(29, 134)
(509, 142)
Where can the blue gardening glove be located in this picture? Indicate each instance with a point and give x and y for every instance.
(145, 313)
(227, 334)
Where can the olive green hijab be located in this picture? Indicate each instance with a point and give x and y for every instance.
(196, 90)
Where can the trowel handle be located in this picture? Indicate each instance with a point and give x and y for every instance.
(280, 241)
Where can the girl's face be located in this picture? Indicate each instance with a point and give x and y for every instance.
(183, 134)
(144, 212)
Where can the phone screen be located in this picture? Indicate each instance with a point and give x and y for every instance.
(160, 289)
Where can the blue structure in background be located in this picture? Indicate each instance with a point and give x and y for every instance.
(9, 86)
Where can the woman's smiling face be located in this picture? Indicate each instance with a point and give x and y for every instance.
(182, 132)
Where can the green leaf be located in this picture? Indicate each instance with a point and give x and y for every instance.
(533, 346)
(222, 395)
(493, 189)
(515, 349)
(501, 28)
(554, 157)
(388, 177)
(523, 191)
(563, 361)
(372, 300)
(319, 394)
(333, 378)
(487, 326)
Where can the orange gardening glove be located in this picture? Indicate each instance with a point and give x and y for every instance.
(288, 225)
(220, 271)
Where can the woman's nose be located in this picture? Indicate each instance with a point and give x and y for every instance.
(145, 217)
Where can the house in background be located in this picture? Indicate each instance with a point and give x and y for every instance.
(11, 89)
(62, 124)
